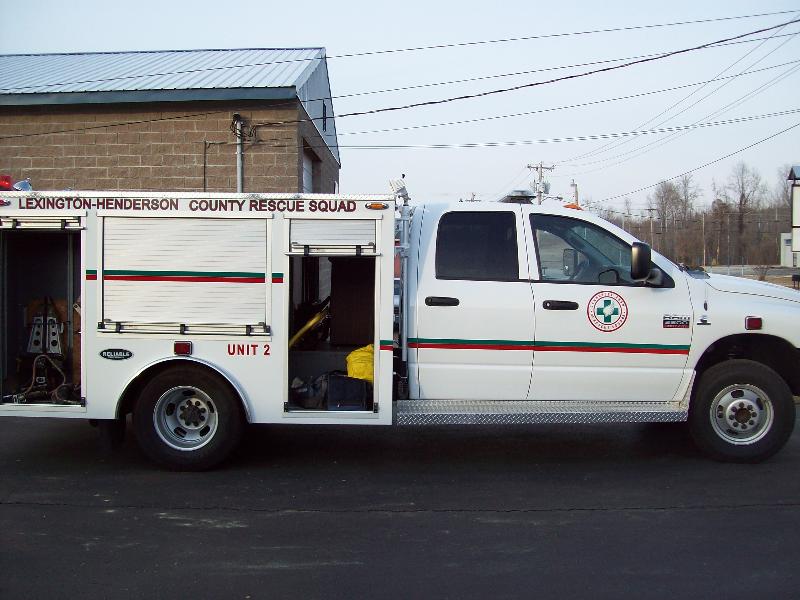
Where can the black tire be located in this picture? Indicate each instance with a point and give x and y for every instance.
(741, 411)
(162, 412)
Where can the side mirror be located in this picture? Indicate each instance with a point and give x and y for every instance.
(640, 261)
(570, 261)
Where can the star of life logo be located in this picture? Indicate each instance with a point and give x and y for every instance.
(607, 311)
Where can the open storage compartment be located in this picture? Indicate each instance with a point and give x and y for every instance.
(40, 314)
(331, 314)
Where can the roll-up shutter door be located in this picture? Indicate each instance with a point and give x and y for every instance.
(40, 222)
(332, 236)
(185, 271)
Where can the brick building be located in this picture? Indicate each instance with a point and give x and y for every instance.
(166, 120)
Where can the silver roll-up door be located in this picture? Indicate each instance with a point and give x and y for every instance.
(332, 236)
(189, 271)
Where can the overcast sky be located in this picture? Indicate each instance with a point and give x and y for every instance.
(488, 172)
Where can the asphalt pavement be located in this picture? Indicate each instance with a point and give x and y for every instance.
(604, 511)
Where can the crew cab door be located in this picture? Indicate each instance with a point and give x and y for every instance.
(474, 309)
(599, 335)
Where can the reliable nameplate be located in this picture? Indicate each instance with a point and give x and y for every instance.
(116, 354)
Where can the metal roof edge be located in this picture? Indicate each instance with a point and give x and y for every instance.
(173, 95)
(312, 66)
(109, 52)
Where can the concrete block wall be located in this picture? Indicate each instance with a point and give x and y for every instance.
(155, 151)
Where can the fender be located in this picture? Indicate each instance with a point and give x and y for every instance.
(237, 388)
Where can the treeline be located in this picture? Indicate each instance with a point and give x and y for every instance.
(737, 222)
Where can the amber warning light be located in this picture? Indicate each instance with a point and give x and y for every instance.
(377, 205)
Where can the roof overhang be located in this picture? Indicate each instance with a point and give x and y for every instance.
(794, 173)
(174, 95)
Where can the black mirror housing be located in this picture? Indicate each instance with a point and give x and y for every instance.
(640, 261)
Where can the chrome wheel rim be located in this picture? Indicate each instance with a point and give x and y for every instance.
(742, 414)
(185, 418)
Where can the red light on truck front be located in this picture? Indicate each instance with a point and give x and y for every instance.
(6, 183)
(182, 348)
(753, 323)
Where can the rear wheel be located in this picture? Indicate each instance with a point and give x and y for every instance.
(188, 419)
(742, 411)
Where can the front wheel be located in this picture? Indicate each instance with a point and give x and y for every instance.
(742, 411)
(188, 419)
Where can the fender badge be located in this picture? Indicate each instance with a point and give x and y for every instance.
(607, 311)
(676, 321)
(116, 354)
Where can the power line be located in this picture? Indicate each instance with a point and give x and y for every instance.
(649, 147)
(119, 124)
(704, 165)
(415, 49)
(556, 140)
(557, 108)
(559, 79)
(527, 72)
(443, 100)
(493, 117)
(610, 146)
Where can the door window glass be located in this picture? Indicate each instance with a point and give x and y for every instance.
(574, 251)
(477, 246)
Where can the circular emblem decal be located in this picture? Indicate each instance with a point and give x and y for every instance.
(607, 311)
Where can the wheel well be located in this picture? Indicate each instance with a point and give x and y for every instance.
(134, 389)
(769, 350)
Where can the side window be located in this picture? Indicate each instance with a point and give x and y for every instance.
(574, 251)
(477, 246)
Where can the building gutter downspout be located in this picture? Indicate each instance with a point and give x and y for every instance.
(237, 130)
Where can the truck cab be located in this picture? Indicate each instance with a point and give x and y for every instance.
(523, 313)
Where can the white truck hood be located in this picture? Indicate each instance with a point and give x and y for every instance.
(739, 285)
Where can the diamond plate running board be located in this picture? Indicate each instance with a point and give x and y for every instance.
(509, 412)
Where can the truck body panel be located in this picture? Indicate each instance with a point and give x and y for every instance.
(507, 313)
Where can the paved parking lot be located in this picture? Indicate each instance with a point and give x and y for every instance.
(547, 512)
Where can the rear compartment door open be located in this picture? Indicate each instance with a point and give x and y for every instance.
(348, 237)
(42, 219)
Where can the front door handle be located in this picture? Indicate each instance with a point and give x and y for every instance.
(560, 305)
(441, 301)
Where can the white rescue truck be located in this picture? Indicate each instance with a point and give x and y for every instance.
(198, 313)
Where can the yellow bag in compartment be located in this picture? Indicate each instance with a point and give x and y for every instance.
(360, 363)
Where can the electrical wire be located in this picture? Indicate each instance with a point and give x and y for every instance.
(520, 73)
(119, 124)
(409, 49)
(554, 140)
(442, 100)
(703, 166)
(649, 147)
(557, 108)
(557, 79)
(612, 145)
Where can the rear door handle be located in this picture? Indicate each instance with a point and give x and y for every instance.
(560, 305)
(441, 301)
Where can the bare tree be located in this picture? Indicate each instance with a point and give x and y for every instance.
(688, 244)
(744, 190)
(664, 202)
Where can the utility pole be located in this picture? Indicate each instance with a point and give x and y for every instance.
(539, 188)
(650, 210)
(703, 216)
(729, 242)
